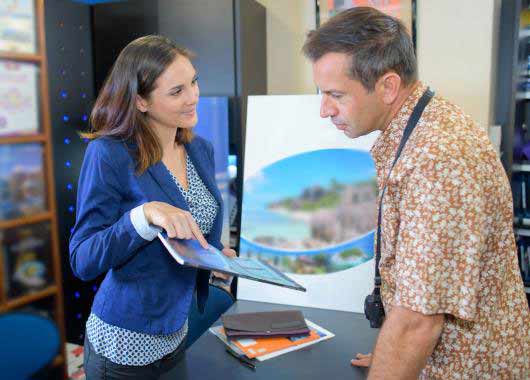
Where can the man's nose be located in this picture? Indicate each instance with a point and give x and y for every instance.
(326, 108)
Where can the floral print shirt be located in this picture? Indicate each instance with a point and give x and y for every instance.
(447, 242)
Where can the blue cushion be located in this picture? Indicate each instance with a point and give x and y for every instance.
(218, 302)
(28, 343)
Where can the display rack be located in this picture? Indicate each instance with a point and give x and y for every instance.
(47, 298)
(512, 112)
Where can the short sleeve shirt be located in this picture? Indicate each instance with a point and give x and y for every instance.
(447, 242)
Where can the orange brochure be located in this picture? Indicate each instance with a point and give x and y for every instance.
(263, 346)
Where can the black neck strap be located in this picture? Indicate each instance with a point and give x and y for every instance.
(411, 124)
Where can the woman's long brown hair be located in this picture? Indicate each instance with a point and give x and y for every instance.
(134, 73)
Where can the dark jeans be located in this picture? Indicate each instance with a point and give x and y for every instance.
(97, 367)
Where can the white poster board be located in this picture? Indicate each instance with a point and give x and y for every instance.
(309, 204)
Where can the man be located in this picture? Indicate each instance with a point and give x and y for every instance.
(451, 287)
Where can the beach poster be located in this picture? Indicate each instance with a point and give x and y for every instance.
(309, 204)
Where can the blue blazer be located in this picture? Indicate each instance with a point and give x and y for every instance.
(144, 289)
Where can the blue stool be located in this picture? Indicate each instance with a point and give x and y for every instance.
(219, 300)
(28, 343)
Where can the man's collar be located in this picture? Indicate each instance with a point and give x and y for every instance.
(388, 140)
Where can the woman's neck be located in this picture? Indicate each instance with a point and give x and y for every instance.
(166, 137)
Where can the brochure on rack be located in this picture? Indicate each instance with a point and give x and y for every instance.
(190, 253)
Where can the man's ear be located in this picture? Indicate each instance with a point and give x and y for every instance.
(388, 86)
(141, 104)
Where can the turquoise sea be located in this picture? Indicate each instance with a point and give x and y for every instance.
(269, 223)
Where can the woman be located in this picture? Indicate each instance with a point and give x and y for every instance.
(144, 171)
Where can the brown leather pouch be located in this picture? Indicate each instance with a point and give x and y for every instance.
(265, 324)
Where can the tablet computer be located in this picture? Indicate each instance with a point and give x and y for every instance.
(191, 253)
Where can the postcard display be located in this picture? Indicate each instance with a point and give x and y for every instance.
(30, 274)
(19, 113)
(17, 26)
(26, 248)
(18, 80)
(309, 204)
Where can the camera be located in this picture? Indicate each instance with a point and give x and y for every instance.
(373, 309)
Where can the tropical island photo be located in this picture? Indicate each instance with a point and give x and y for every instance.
(312, 213)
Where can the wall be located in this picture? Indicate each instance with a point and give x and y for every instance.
(287, 25)
(456, 48)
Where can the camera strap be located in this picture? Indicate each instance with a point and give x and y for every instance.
(411, 124)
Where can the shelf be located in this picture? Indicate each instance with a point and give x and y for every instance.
(524, 33)
(52, 293)
(521, 167)
(522, 95)
(20, 56)
(4, 224)
(521, 221)
(29, 298)
(22, 139)
(522, 231)
(527, 289)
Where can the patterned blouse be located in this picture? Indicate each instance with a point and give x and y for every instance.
(448, 243)
(128, 347)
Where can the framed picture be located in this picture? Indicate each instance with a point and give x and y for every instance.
(22, 183)
(405, 10)
(19, 98)
(17, 26)
(27, 259)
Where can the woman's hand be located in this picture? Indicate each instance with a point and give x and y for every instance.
(177, 223)
(229, 253)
